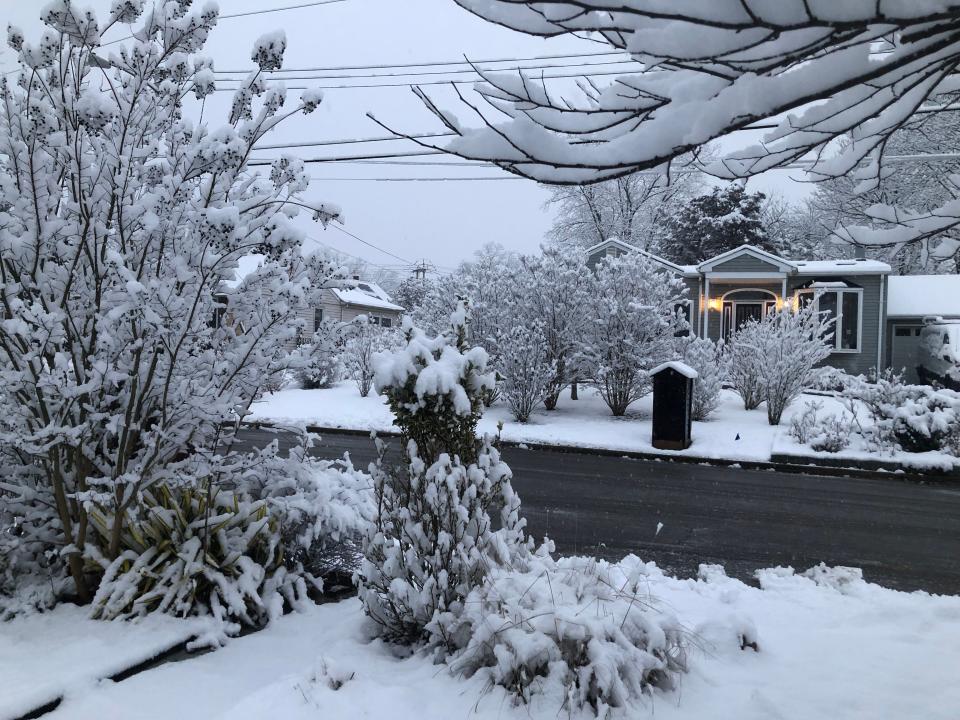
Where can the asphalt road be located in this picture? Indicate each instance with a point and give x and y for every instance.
(903, 534)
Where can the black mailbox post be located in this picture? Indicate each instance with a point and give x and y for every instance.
(672, 405)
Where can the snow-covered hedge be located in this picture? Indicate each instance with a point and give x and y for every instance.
(527, 369)
(433, 539)
(712, 365)
(234, 554)
(578, 628)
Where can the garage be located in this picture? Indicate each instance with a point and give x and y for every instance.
(910, 299)
(904, 349)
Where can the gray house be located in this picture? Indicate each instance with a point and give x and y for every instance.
(870, 307)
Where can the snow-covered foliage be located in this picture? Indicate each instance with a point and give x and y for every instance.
(914, 418)
(818, 72)
(831, 379)
(708, 225)
(435, 388)
(319, 362)
(363, 341)
(829, 433)
(526, 367)
(555, 290)
(196, 548)
(433, 540)
(124, 356)
(633, 208)
(576, 628)
(778, 354)
(710, 361)
(632, 327)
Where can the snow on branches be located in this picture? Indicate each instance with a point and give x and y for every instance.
(126, 349)
(817, 72)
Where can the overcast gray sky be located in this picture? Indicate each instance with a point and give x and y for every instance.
(443, 222)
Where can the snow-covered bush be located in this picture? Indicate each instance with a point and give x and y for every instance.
(832, 434)
(319, 361)
(197, 548)
(710, 361)
(127, 349)
(780, 352)
(555, 290)
(435, 388)
(433, 539)
(914, 418)
(527, 369)
(633, 327)
(364, 341)
(744, 363)
(803, 425)
(578, 628)
(831, 379)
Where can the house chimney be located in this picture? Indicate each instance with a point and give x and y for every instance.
(356, 277)
(859, 252)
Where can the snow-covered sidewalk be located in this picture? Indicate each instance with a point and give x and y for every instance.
(838, 649)
(731, 433)
(63, 653)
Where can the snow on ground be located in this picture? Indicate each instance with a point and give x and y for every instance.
(842, 649)
(62, 652)
(586, 422)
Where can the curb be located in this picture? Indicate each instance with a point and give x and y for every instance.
(794, 464)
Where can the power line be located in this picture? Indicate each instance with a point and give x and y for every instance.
(434, 63)
(260, 162)
(433, 72)
(426, 82)
(319, 143)
(279, 9)
(416, 179)
(369, 244)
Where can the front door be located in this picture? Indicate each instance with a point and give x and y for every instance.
(744, 312)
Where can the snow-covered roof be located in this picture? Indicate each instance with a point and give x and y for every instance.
(920, 295)
(781, 263)
(366, 294)
(627, 247)
(677, 366)
(840, 267)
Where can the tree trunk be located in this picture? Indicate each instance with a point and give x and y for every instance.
(573, 391)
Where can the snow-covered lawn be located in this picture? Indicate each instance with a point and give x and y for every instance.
(731, 433)
(838, 650)
(63, 652)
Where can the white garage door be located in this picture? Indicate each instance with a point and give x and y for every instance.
(905, 350)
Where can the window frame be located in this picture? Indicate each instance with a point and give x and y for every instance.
(317, 318)
(838, 325)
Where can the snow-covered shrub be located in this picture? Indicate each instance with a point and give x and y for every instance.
(633, 327)
(319, 361)
(194, 548)
(803, 425)
(831, 379)
(128, 347)
(555, 291)
(710, 361)
(832, 434)
(435, 388)
(914, 418)
(433, 540)
(744, 364)
(526, 367)
(781, 351)
(364, 341)
(578, 628)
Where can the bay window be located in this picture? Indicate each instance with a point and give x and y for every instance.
(842, 305)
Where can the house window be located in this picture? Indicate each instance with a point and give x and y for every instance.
(374, 320)
(844, 307)
(683, 310)
(386, 322)
(902, 332)
(317, 318)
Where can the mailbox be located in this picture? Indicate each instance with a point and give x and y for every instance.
(672, 405)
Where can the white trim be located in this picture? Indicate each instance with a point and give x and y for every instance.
(706, 310)
(881, 325)
(781, 264)
(627, 247)
(838, 325)
(734, 303)
(772, 275)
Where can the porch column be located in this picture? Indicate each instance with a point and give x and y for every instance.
(705, 330)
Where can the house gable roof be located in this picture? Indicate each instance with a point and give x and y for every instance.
(366, 294)
(627, 247)
(781, 264)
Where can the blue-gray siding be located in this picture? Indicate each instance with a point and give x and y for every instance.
(745, 263)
